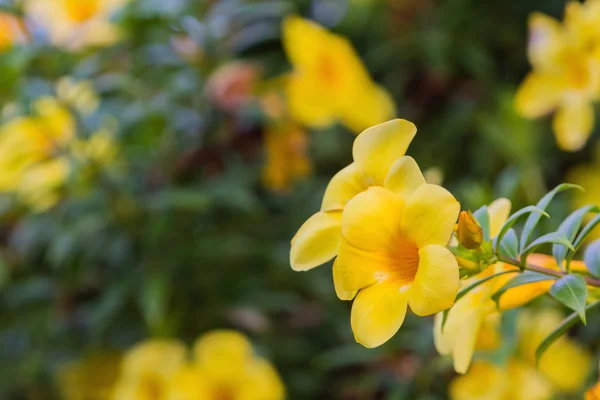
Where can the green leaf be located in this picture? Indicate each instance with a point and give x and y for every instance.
(552, 237)
(522, 279)
(512, 220)
(564, 326)
(483, 217)
(509, 246)
(592, 258)
(570, 227)
(533, 219)
(571, 290)
(585, 232)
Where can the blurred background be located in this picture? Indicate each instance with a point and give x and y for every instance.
(172, 212)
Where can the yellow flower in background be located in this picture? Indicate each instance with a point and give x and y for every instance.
(379, 160)
(563, 368)
(393, 255)
(286, 146)
(12, 31)
(76, 24)
(92, 378)
(148, 369)
(587, 176)
(566, 73)
(32, 153)
(223, 366)
(80, 95)
(329, 82)
(593, 393)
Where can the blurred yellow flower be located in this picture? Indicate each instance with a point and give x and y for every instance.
(379, 160)
(286, 146)
(586, 176)
(224, 366)
(11, 31)
(593, 393)
(80, 95)
(566, 72)
(329, 82)
(563, 368)
(148, 370)
(92, 378)
(32, 153)
(76, 24)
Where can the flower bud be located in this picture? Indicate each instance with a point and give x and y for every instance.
(469, 232)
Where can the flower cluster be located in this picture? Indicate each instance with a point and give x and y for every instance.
(566, 72)
(223, 366)
(388, 229)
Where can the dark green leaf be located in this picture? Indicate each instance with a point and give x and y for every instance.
(570, 227)
(509, 246)
(533, 219)
(592, 258)
(564, 326)
(552, 237)
(571, 290)
(483, 217)
(522, 279)
(512, 220)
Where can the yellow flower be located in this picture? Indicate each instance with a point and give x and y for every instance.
(92, 378)
(565, 76)
(586, 176)
(286, 146)
(469, 314)
(223, 367)
(76, 24)
(80, 95)
(593, 393)
(11, 31)
(562, 369)
(148, 370)
(329, 82)
(378, 161)
(32, 153)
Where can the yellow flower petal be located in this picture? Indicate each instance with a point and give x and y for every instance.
(566, 364)
(521, 295)
(538, 95)
(436, 283)
(376, 149)
(546, 41)
(317, 241)
(371, 220)
(300, 37)
(372, 106)
(377, 313)
(499, 212)
(307, 102)
(404, 177)
(465, 341)
(573, 124)
(355, 269)
(155, 357)
(343, 187)
(527, 383)
(429, 216)
(485, 381)
(222, 347)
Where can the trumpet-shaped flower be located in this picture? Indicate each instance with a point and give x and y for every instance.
(563, 368)
(379, 160)
(93, 377)
(565, 76)
(32, 156)
(11, 31)
(329, 82)
(392, 255)
(76, 24)
(223, 367)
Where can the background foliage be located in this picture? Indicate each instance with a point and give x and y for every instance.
(185, 237)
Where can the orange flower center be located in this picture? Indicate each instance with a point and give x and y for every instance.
(404, 262)
(82, 10)
(326, 69)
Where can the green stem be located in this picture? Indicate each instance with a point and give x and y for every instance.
(552, 272)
